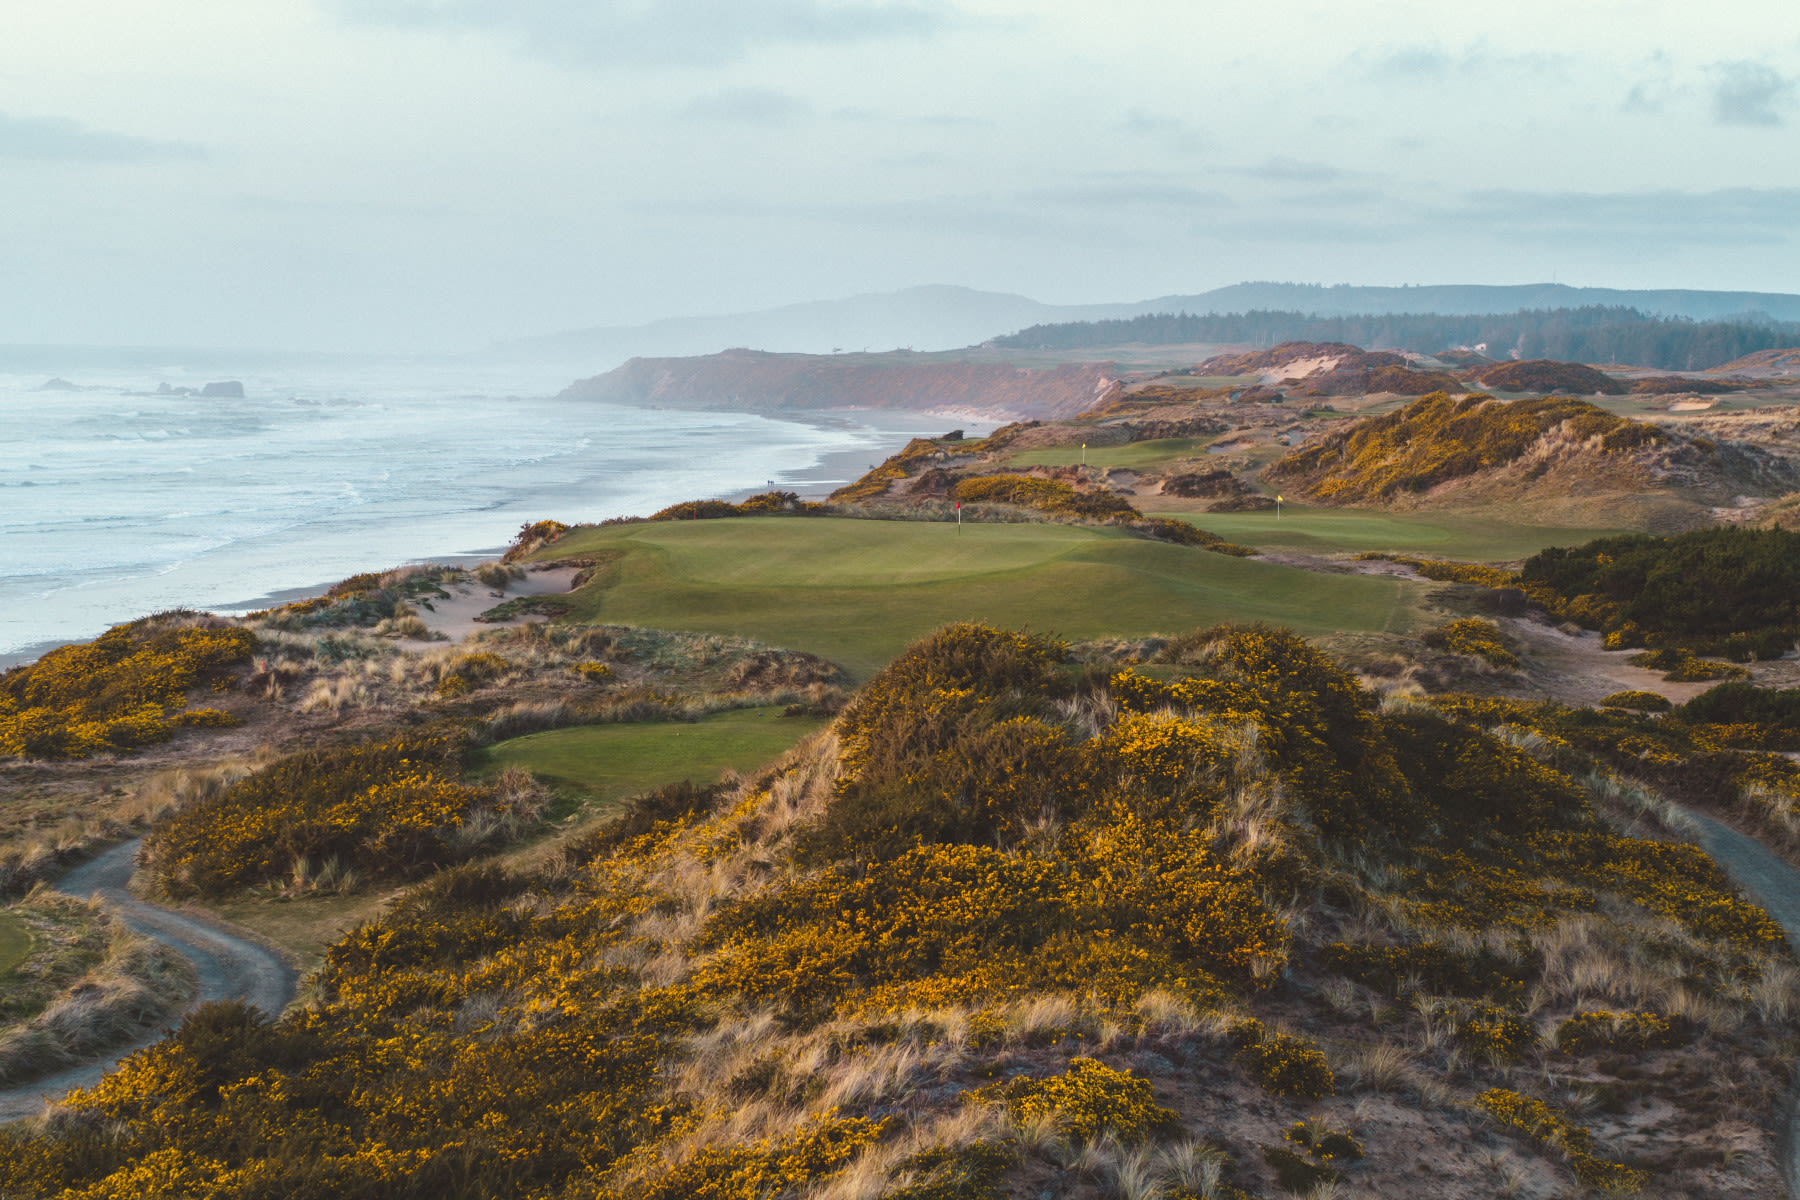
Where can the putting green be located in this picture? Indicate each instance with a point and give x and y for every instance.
(613, 762)
(858, 592)
(15, 942)
(1347, 530)
(1136, 456)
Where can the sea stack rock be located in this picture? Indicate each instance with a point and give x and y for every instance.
(58, 385)
(231, 389)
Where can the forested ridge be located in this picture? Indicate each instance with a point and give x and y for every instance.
(1591, 334)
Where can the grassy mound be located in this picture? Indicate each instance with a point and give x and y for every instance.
(382, 810)
(965, 939)
(1438, 439)
(125, 689)
(1547, 375)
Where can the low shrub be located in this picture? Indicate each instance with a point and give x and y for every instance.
(1181, 533)
(766, 504)
(385, 809)
(1683, 666)
(1637, 701)
(1323, 1142)
(1543, 1125)
(1434, 968)
(1591, 1032)
(1283, 1063)
(533, 536)
(1050, 495)
(1476, 638)
(972, 1172)
(1086, 1101)
(1295, 1174)
(1728, 591)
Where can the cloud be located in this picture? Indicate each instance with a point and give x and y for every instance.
(57, 139)
(596, 33)
(1291, 170)
(1175, 132)
(1749, 93)
(749, 105)
(1392, 64)
(1104, 192)
(1723, 217)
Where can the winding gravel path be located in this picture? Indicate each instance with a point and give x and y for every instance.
(228, 966)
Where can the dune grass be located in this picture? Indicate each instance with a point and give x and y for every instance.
(857, 592)
(1308, 530)
(15, 943)
(613, 762)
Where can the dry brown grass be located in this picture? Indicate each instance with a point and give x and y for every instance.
(136, 986)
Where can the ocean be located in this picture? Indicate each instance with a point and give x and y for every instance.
(117, 502)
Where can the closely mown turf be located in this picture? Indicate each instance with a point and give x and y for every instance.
(857, 592)
(612, 762)
(1135, 456)
(1307, 530)
(15, 943)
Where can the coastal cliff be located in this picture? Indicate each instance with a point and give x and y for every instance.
(754, 379)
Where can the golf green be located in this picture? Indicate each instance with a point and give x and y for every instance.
(1307, 530)
(612, 762)
(859, 591)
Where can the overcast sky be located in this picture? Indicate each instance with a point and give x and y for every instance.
(436, 174)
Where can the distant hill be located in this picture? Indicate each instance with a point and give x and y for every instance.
(943, 317)
(920, 318)
(1460, 299)
(755, 379)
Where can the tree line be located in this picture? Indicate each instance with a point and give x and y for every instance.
(1594, 333)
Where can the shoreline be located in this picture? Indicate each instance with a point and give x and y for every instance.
(830, 470)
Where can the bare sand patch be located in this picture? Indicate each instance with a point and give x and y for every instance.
(454, 618)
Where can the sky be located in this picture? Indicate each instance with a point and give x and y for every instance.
(435, 175)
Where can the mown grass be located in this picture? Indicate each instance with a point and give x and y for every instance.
(1307, 530)
(15, 943)
(607, 763)
(857, 592)
(1136, 456)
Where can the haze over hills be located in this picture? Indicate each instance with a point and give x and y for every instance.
(943, 317)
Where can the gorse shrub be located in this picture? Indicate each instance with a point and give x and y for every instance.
(1476, 638)
(1086, 1101)
(1537, 1121)
(1437, 439)
(768, 989)
(125, 689)
(1588, 1032)
(1283, 1063)
(1637, 701)
(765, 504)
(1434, 968)
(386, 809)
(1681, 666)
(1050, 495)
(1447, 572)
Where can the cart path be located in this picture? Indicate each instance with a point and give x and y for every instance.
(228, 966)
